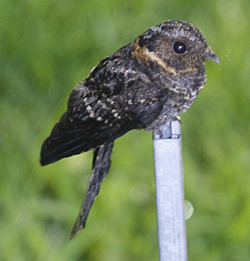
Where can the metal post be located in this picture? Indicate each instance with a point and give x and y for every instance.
(170, 192)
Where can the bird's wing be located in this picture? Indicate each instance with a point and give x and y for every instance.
(102, 108)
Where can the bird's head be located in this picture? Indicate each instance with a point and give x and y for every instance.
(178, 45)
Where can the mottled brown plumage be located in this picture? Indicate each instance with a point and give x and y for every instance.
(143, 85)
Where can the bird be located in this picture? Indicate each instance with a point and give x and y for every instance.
(143, 85)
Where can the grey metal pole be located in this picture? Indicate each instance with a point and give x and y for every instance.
(170, 192)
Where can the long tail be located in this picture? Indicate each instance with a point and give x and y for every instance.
(101, 165)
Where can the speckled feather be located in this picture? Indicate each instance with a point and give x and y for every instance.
(142, 86)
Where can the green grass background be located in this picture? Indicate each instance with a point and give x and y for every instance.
(46, 48)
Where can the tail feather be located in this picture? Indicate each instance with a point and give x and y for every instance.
(101, 165)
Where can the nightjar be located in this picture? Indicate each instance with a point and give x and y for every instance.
(142, 86)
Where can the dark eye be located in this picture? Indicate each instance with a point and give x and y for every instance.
(180, 47)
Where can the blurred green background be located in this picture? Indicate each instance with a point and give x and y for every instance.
(46, 48)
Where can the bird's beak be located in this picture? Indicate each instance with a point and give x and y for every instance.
(212, 55)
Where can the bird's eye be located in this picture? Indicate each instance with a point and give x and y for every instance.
(180, 47)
